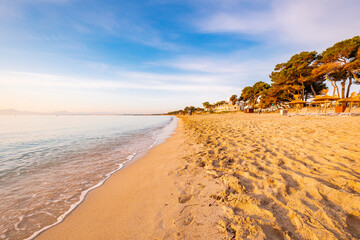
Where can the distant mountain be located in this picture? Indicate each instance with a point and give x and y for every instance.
(62, 113)
(82, 113)
(11, 111)
(16, 112)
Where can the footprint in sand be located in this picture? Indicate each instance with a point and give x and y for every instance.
(272, 233)
(187, 220)
(184, 198)
(353, 225)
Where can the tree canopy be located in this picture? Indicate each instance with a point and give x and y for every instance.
(304, 74)
(252, 94)
(295, 77)
(340, 63)
(233, 99)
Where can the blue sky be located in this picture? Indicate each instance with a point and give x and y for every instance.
(157, 55)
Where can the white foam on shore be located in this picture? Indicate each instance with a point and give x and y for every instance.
(167, 131)
(161, 137)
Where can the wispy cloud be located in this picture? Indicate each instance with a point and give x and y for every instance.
(126, 80)
(104, 20)
(123, 23)
(311, 23)
(8, 9)
(131, 92)
(230, 70)
(147, 51)
(225, 65)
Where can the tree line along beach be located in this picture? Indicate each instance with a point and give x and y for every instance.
(304, 75)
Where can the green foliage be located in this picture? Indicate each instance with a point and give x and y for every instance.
(260, 88)
(217, 104)
(208, 107)
(233, 99)
(295, 76)
(188, 109)
(176, 112)
(252, 94)
(340, 63)
(342, 51)
(304, 74)
(248, 95)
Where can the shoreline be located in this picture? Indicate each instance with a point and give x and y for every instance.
(105, 193)
(232, 176)
(83, 196)
(168, 131)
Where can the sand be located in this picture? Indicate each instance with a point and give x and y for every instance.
(152, 198)
(284, 177)
(233, 176)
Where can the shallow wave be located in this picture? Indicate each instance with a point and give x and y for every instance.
(42, 196)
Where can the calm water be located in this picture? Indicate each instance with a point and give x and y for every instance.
(49, 163)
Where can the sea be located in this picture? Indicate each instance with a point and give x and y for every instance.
(49, 163)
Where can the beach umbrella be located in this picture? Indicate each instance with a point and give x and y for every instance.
(297, 102)
(354, 97)
(325, 99)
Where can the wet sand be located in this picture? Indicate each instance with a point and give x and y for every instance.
(152, 198)
(233, 176)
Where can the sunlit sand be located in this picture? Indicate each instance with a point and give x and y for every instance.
(233, 176)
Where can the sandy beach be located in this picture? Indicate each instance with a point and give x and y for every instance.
(152, 198)
(179, 120)
(232, 176)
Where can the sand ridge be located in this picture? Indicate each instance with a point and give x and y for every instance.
(283, 177)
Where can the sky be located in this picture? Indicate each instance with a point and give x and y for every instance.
(154, 56)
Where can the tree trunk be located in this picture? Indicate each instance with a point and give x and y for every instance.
(348, 89)
(334, 86)
(337, 89)
(313, 90)
(302, 90)
(355, 76)
(303, 94)
(343, 86)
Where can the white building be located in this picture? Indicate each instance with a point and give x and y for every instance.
(229, 107)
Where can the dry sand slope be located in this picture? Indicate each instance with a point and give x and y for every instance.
(279, 177)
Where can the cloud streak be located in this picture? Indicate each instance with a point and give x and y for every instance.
(310, 23)
(134, 51)
(108, 21)
(129, 80)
